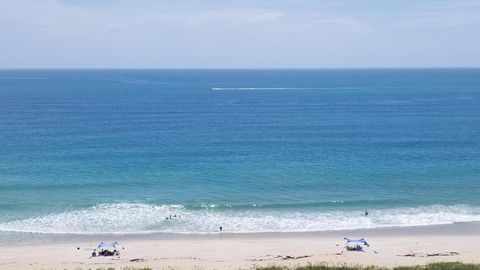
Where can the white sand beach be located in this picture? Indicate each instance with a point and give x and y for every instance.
(388, 247)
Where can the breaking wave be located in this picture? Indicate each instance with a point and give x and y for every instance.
(145, 218)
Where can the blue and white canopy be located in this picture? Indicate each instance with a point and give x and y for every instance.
(358, 241)
(108, 246)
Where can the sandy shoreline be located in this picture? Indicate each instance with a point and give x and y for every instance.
(389, 247)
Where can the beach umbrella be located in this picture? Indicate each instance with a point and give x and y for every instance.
(108, 246)
(355, 244)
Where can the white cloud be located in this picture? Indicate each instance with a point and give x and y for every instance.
(191, 33)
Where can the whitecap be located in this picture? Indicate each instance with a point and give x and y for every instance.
(146, 218)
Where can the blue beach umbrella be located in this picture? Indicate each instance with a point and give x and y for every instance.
(108, 246)
(355, 244)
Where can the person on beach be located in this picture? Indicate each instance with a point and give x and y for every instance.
(366, 213)
(221, 228)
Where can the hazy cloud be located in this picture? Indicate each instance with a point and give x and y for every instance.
(213, 34)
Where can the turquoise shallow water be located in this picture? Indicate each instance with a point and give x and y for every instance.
(249, 150)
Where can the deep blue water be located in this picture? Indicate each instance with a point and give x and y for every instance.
(253, 150)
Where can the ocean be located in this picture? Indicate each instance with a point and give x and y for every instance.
(120, 151)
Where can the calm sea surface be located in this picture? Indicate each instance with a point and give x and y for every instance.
(249, 150)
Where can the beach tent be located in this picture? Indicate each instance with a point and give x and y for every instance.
(355, 244)
(107, 249)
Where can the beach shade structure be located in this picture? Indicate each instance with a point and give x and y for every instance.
(107, 249)
(355, 244)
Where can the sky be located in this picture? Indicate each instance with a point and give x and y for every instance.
(239, 33)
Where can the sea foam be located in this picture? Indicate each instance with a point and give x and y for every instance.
(146, 218)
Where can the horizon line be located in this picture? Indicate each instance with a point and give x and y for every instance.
(232, 68)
